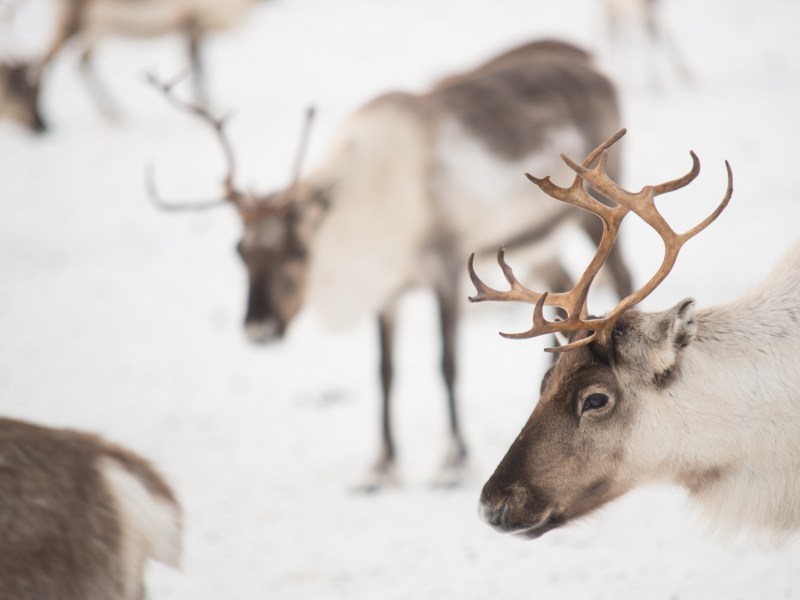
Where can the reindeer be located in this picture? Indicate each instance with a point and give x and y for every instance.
(624, 18)
(411, 183)
(80, 517)
(703, 399)
(85, 22)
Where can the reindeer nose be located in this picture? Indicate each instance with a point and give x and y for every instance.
(498, 508)
(261, 332)
(493, 514)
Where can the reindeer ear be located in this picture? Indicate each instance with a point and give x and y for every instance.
(671, 332)
(683, 326)
(653, 342)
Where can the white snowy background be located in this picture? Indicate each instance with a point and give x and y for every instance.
(119, 319)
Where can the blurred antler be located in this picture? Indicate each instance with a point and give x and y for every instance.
(573, 302)
(230, 193)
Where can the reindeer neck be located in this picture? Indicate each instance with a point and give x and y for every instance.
(731, 420)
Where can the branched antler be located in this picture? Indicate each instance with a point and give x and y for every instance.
(230, 192)
(642, 203)
(250, 206)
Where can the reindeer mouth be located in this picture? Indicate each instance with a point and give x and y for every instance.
(551, 521)
(263, 332)
(500, 519)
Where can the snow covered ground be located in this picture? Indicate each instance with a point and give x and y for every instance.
(118, 319)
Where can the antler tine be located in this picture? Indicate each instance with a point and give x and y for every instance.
(575, 194)
(713, 216)
(517, 293)
(231, 194)
(676, 184)
(159, 201)
(302, 147)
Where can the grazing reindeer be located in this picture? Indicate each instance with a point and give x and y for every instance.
(79, 517)
(625, 17)
(85, 22)
(707, 399)
(413, 182)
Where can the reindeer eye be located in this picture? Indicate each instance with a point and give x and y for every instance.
(595, 402)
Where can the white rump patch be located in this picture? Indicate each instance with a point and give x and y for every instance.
(150, 524)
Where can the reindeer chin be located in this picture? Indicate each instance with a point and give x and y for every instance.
(263, 332)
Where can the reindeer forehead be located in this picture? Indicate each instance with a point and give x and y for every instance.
(574, 369)
(267, 232)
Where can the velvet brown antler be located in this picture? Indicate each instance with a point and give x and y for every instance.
(573, 302)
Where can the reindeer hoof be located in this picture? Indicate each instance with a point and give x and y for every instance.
(383, 476)
(454, 471)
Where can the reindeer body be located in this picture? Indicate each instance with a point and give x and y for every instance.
(417, 186)
(84, 23)
(414, 181)
(411, 183)
(95, 19)
(635, 31)
(79, 517)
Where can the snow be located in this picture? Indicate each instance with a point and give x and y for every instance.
(119, 319)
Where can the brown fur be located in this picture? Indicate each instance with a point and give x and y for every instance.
(515, 100)
(61, 531)
(19, 96)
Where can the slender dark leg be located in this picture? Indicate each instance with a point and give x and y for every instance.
(386, 331)
(383, 472)
(660, 37)
(98, 92)
(452, 471)
(196, 62)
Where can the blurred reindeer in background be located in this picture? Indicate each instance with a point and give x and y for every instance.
(410, 184)
(635, 30)
(80, 517)
(85, 22)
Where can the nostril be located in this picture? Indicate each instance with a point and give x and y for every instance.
(494, 513)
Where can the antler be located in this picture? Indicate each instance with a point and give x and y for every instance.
(230, 192)
(573, 302)
(250, 207)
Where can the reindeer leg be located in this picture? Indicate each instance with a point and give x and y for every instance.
(196, 61)
(97, 90)
(452, 472)
(662, 38)
(383, 472)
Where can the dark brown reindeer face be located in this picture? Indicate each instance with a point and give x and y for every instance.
(19, 96)
(565, 461)
(580, 448)
(275, 255)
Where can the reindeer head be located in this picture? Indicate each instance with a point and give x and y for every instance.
(276, 232)
(275, 250)
(19, 96)
(582, 446)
